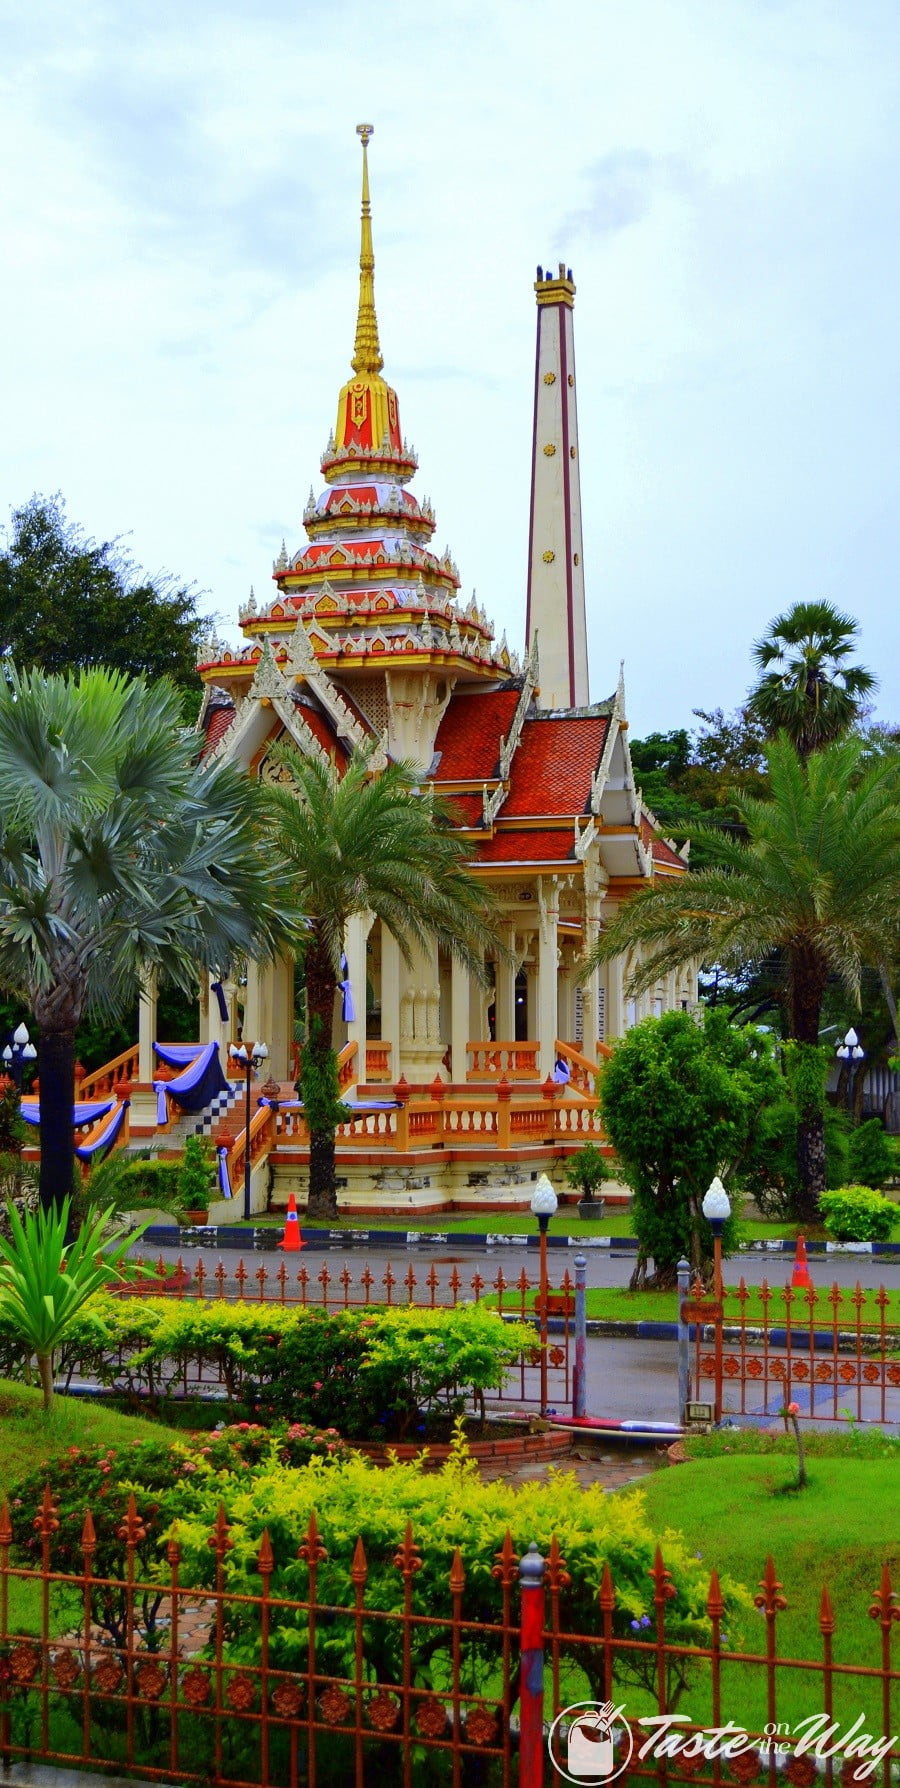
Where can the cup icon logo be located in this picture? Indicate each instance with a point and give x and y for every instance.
(589, 1747)
(590, 1742)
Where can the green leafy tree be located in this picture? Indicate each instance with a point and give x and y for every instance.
(66, 602)
(362, 841)
(808, 686)
(117, 853)
(817, 880)
(45, 1279)
(680, 1101)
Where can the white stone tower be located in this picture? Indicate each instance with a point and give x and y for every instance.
(556, 603)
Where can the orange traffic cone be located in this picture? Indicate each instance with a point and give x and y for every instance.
(292, 1240)
(800, 1279)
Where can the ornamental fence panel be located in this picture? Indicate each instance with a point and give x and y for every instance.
(835, 1352)
(283, 1664)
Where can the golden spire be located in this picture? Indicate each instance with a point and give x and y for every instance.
(367, 356)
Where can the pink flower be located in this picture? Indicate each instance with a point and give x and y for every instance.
(317, 1384)
(793, 1409)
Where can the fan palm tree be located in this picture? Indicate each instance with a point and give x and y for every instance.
(807, 688)
(817, 880)
(118, 853)
(362, 841)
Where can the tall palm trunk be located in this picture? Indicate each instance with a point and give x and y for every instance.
(809, 973)
(318, 1079)
(56, 1065)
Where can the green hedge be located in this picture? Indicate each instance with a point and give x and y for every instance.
(857, 1214)
(371, 1373)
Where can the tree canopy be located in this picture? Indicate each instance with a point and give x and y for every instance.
(67, 602)
(808, 686)
(118, 852)
(814, 887)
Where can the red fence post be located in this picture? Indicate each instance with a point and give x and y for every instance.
(531, 1675)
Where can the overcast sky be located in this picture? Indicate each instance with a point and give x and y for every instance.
(180, 235)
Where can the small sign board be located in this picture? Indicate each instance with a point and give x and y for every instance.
(699, 1412)
(700, 1310)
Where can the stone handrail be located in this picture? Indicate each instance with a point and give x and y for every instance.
(378, 1062)
(119, 1072)
(582, 1071)
(262, 1137)
(491, 1061)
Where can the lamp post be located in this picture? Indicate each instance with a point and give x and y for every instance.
(850, 1051)
(18, 1052)
(716, 1209)
(543, 1205)
(249, 1057)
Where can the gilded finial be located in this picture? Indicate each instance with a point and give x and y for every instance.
(367, 357)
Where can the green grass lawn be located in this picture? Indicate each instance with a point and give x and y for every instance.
(734, 1508)
(28, 1436)
(616, 1304)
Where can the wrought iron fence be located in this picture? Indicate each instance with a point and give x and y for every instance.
(835, 1352)
(518, 1298)
(463, 1685)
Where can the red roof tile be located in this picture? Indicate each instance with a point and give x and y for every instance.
(322, 730)
(467, 810)
(554, 764)
(527, 847)
(470, 733)
(218, 720)
(659, 850)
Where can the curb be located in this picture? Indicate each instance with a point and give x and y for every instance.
(266, 1241)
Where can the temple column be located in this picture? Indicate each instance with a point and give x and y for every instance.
(615, 999)
(356, 937)
(281, 1026)
(390, 997)
(505, 991)
(257, 1025)
(147, 1025)
(548, 972)
(421, 1047)
(460, 1018)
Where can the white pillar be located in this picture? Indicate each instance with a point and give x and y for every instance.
(355, 939)
(548, 971)
(460, 1013)
(390, 997)
(615, 1000)
(147, 1026)
(505, 991)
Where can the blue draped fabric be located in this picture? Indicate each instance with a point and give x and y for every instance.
(351, 1104)
(217, 988)
(107, 1136)
(85, 1111)
(201, 1080)
(224, 1175)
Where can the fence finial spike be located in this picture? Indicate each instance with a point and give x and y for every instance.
(715, 1601)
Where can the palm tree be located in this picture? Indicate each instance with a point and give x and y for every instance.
(118, 853)
(817, 880)
(807, 687)
(364, 841)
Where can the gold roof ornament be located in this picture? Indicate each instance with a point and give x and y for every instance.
(367, 356)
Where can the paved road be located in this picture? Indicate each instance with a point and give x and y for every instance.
(603, 1267)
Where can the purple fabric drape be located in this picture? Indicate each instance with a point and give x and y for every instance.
(224, 1175)
(102, 1143)
(85, 1111)
(200, 1081)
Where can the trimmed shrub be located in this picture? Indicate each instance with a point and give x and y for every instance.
(376, 1374)
(858, 1214)
(870, 1156)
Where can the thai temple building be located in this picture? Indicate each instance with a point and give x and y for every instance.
(366, 640)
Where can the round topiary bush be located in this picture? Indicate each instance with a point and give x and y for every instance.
(858, 1214)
